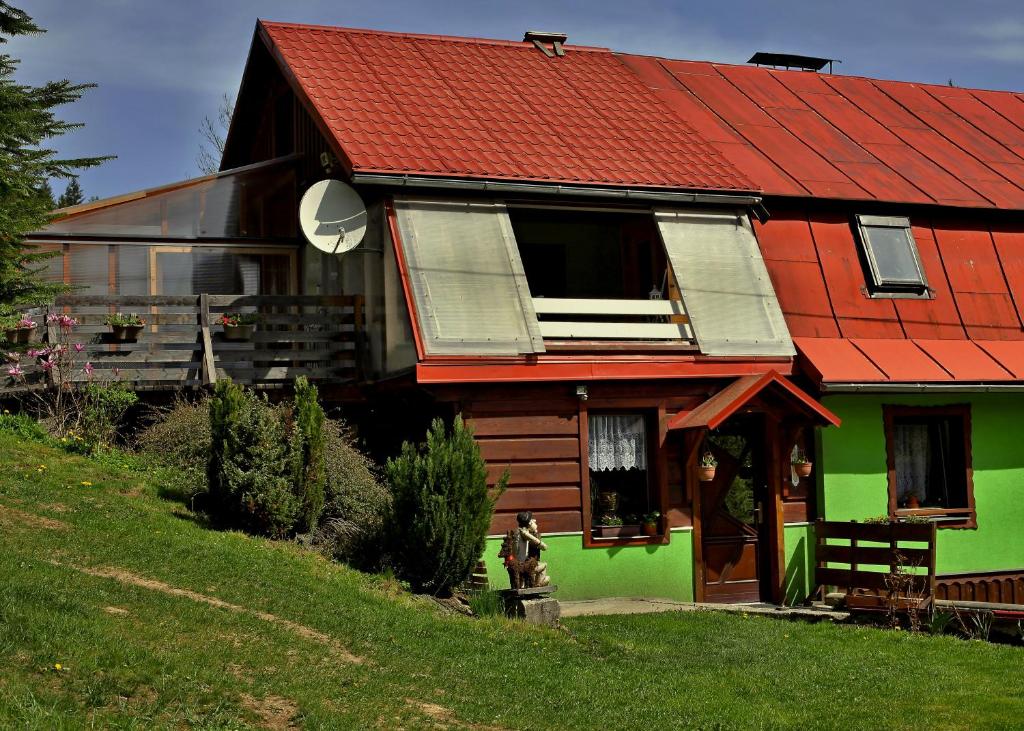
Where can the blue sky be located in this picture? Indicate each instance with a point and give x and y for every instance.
(162, 66)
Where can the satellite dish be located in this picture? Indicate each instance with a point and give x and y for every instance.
(332, 217)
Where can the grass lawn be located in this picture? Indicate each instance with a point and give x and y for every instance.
(158, 622)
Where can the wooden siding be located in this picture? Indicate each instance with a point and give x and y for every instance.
(1000, 587)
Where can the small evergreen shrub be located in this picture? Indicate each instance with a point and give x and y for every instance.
(265, 470)
(249, 464)
(442, 508)
(307, 452)
(357, 504)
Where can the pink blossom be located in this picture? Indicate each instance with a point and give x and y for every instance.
(88, 369)
(48, 364)
(33, 353)
(67, 322)
(26, 323)
(79, 347)
(15, 371)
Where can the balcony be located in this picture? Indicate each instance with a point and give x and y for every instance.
(183, 343)
(603, 320)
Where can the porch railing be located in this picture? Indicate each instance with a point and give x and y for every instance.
(183, 343)
(612, 319)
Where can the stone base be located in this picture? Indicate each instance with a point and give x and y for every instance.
(537, 609)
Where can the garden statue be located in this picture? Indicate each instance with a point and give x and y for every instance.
(521, 551)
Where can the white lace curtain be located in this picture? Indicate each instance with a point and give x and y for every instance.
(913, 456)
(617, 442)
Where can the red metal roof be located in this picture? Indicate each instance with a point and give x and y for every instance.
(716, 410)
(442, 106)
(431, 105)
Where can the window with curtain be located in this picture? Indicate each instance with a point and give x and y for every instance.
(929, 459)
(617, 451)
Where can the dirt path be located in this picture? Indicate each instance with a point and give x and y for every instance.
(126, 577)
(14, 517)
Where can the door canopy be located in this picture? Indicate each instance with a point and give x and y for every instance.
(742, 392)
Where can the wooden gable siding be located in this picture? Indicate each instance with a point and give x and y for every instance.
(536, 432)
(974, 267)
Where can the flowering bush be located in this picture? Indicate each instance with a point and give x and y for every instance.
(236, 319)
(26, 323)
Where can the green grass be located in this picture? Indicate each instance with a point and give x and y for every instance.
(136, 657)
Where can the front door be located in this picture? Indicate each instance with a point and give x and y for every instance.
(732, 506)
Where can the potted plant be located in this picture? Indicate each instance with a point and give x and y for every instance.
(125, 327)
(650, 523)
(608, 526)
(238, 326)
(706, 468)
(20, 330)
(801, 465)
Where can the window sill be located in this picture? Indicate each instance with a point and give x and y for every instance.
(631, 537)
(942, 517)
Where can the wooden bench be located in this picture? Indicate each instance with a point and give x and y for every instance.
(873, 565)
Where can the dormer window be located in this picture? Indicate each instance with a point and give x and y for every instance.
(891, 254)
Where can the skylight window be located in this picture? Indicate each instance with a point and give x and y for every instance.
(891, 254)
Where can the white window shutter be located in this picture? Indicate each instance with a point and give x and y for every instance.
(724, 282)
(467, 278)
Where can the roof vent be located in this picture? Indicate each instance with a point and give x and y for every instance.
(540, 39)
(792, 61)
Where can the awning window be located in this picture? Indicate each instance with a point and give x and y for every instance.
(724, 283)
(467, 279)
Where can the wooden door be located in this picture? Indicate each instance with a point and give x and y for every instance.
(732, 506)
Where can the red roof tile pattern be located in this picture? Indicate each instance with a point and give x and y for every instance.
(429, 105)
(844, 137)
(970, 329)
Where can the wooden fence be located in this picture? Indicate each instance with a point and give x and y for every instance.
(873, 563)
(183, 344)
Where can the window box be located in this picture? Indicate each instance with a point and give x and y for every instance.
(617, 531)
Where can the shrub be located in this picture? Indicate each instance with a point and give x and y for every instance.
(442, 508)
(249, 466)
(307, 452)
(356, 506)
(181, 440)
(102, 413)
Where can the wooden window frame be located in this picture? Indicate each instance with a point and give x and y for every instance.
(657, 476)
(965, 517)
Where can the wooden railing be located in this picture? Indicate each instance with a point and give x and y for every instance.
(877, 568)
(612, 319)
(183, 344)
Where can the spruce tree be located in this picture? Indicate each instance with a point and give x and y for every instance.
(72, 195)
(27, 122)
(442, 508)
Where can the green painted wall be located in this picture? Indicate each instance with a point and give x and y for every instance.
(854, 474)
(798, 542)
(664, 572)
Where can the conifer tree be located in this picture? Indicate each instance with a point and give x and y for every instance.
(27, 123)
(72, 195)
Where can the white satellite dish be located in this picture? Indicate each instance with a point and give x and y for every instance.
(332, 217)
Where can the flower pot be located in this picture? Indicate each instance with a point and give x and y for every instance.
(803, 469)
(126, 333)
(19, 334)
(238, 332)
(706, 474)
(608, 502)
(649, 529)
(913, 503)
(616, 531)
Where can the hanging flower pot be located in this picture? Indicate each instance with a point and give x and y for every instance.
(125, 328)
(238, 327)
(706, 468)
(803, 469)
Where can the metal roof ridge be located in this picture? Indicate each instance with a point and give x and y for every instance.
(475, 40)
